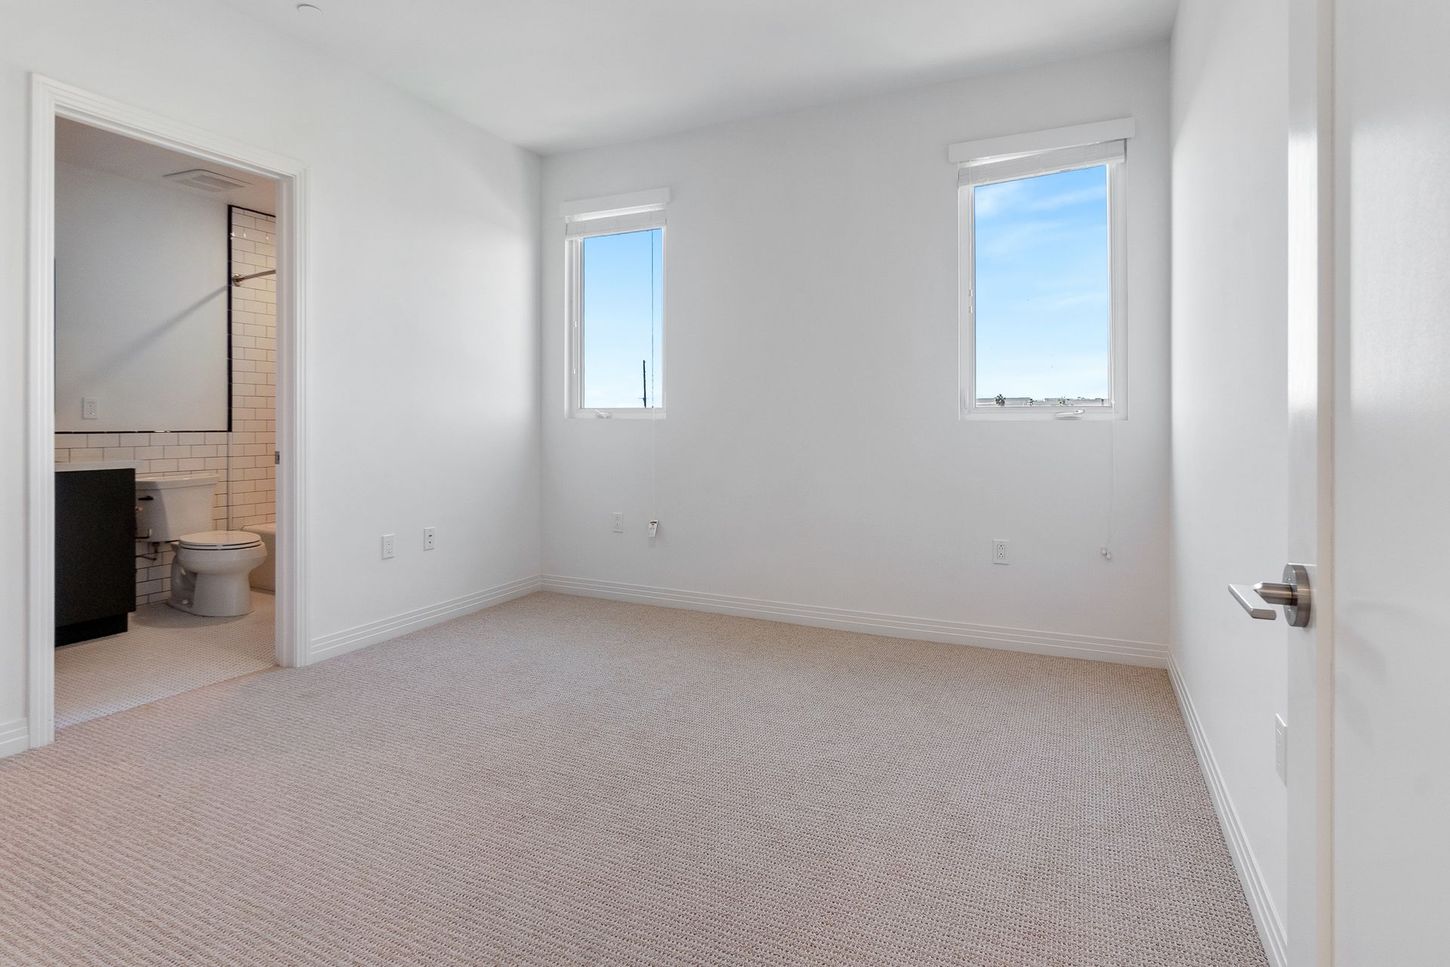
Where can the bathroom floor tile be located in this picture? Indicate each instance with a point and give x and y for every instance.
(165, 652)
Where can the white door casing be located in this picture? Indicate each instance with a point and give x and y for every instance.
(49, 100)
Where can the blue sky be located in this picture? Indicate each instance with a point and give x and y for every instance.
(1042, 285)
(623, 311)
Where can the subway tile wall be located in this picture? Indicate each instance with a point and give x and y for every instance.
(242, 459)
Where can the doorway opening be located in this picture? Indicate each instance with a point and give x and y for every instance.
(166, 459)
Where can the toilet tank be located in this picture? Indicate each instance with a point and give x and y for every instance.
(168, 507)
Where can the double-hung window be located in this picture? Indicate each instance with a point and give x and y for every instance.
(615, 271)
(1042, 301)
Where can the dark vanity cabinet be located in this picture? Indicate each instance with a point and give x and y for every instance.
(95, 553)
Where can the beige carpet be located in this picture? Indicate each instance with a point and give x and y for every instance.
(568, 781)
(165, 652)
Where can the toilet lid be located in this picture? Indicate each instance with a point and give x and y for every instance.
(219, 540)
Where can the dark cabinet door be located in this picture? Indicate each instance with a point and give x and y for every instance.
(95, 554)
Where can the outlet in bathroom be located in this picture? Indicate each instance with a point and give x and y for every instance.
(90, 408)
(387, 547)
(430, 541)
(1000, 554)
(618, 522)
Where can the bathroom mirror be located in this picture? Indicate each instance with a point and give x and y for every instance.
(141, 305)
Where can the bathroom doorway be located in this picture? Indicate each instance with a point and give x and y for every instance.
(167, 457)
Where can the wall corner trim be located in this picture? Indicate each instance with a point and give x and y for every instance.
(1060, 644)
(1266, 917)
(383, 629)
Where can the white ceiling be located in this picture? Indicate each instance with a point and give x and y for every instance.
(553, 75)
(88, 147)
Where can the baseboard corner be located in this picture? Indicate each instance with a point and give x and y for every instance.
(338, 643)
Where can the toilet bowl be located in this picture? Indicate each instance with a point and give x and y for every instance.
(209, 574)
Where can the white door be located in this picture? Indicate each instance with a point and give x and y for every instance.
(1310, 452)
(1391, 677)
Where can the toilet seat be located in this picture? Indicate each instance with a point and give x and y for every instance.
(218, 540)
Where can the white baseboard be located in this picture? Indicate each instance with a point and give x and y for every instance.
(14, 737)
(1266, 917)
(360, 636)
(1117, 650)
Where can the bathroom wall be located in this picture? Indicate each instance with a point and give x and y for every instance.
(140, 306)
(241, 459)
(251, 482)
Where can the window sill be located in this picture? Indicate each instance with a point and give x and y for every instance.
(1025, 414)
(630, 413)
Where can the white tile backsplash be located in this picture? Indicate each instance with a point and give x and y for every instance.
(241, 459)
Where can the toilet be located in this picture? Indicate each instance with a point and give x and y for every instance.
(209, 573)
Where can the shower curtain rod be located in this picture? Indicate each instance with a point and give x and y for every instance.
(239, 279)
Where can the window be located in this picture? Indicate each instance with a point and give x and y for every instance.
(1042, 297)
(616, 307)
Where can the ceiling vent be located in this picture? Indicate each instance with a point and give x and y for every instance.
(203, 180)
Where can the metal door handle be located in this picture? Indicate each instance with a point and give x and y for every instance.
(1242, 594)
(1292, 593)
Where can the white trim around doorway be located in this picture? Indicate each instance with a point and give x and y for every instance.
(51, 99)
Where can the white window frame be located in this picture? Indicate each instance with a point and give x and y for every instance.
(614, 215)
(1026, 156)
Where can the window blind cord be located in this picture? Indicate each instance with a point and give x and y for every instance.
(1112, 502)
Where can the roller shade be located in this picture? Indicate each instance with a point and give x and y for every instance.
(611, 215)
(1023, 166)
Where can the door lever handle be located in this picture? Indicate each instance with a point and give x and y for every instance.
(1292, 593)
(1242, 594)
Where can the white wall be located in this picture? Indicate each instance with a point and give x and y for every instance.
(1392, 460)
(812, 453)
(140, 304)
(1230, 127)
(422, 349)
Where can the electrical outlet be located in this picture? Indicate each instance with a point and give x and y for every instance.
(387, 547)
(90, 408)
(430, 539)
(1000, 554)
(1281, 748)
(618, 522)
(654, 529)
